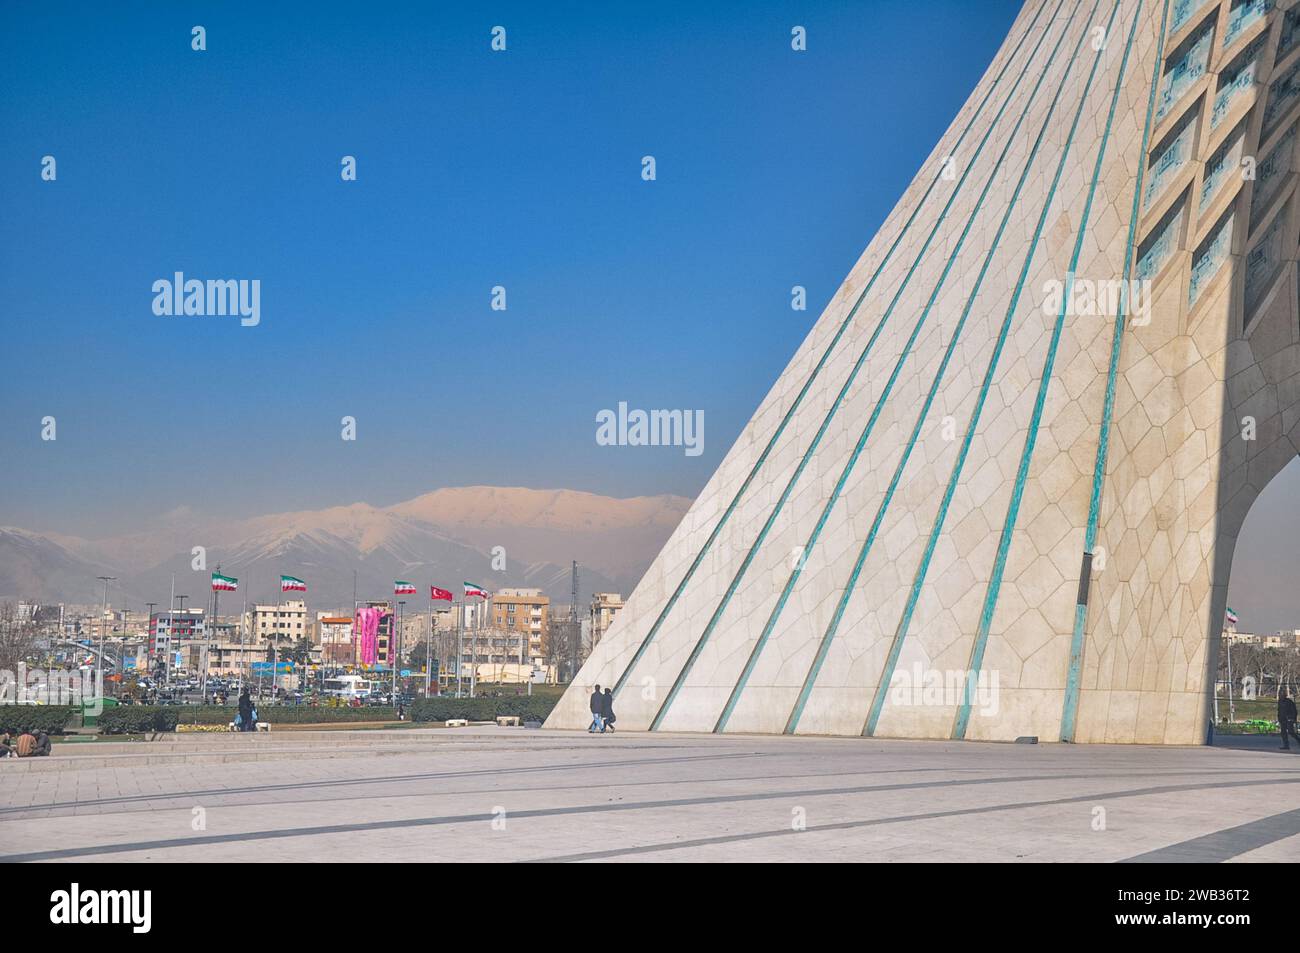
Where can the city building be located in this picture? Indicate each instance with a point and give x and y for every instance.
(604, 607)
(132, 655)
(1283, 639)
(384, 647)
(522, 611)
(278, 622)
(1015, 452)
(233, 658)
(167, 629)
(336, 643)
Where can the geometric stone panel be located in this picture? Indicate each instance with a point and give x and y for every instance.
(997, 489)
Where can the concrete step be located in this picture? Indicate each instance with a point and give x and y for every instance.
(231, 747)
(209, 741)
(134, 760)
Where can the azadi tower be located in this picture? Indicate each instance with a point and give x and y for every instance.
(996, 491)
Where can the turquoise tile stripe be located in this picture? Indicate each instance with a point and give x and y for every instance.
(1010, 138)
(1070, 706)
(844, 325)
(1040, 400)
(904, 624)
(848, 589)
(811, 452)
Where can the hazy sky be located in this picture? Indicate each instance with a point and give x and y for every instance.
(475, 169)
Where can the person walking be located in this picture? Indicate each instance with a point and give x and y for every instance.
(607, 709)
(1286, 715)
(245, 711)
(597, 705)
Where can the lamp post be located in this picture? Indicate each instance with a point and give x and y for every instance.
(460, 650)
(394, 641)
(99, 660)
(170, 650)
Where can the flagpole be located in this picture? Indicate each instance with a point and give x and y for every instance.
(243, 659)
(261, 669)
(1232, 712)
(460, 650)
(473, 654)
(203, 679)
(171, 625)
(392, 649)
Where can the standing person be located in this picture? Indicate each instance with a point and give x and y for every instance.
(1286, 714)
(245, 711)
(607, 709)
(597, 705)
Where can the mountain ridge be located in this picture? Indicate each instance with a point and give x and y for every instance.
(441, 536)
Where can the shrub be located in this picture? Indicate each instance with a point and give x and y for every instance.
(482, 709)
(135, 719)
(51, 719)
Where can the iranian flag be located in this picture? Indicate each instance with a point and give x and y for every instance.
(435, 594)
(222, 583)
(1232, 616)
(292, 584)
(473, 590)
(403, 588)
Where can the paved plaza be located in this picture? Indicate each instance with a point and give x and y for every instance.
(526, 795)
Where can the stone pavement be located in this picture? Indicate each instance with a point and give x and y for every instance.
(524, 795)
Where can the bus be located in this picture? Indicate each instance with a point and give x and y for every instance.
(348, 687)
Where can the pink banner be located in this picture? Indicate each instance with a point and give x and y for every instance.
(365, 628)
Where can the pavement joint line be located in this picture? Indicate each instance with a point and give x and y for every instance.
(444, 775)
(189, 796)
(874, 822)
(407, 823)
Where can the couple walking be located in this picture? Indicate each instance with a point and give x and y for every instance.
(1286, 715)
(602, 710)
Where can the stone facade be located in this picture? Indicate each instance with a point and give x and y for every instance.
(1015, 451)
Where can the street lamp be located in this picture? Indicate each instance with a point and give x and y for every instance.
(395, 660)
(171, 634)
(99, 660)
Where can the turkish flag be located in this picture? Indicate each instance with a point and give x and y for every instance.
(435, 593)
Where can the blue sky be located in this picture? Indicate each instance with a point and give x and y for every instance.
(475, 169)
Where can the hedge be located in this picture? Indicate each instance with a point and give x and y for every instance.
(483, 709)
(139, 719)
(51, 719)
(142, 719)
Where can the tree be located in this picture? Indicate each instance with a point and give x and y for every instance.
(299, 652)
(562, 633)
(18, 637)
(417, 657)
